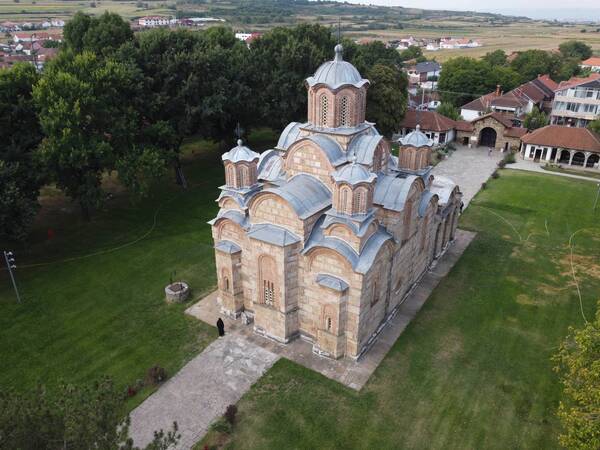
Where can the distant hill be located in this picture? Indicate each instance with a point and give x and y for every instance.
(353, 17)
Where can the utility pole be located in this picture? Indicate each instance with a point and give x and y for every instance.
(10, 265)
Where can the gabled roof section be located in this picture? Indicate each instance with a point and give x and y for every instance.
(428, 120)
(273, 234)
(391, 192)
(482, 103)
(579, 81)
(228, 247)
(331, 282)
(290, 134)
(305, 194)
(565, 137)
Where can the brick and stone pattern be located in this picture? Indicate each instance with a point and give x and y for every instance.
(279, 282)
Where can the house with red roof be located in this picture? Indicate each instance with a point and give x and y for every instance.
(592, 63)
(562, 145)
(576, 101)
(538, 92)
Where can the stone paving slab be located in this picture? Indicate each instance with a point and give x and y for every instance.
(469, 167)
(349, 372)
(201, 391)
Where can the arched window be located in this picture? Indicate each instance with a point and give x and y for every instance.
(225, 280)
(245, 177)
(344, 111)
(359, 202)
(328, 324)
(375, 297)
(267, 272)
(344, 200)
(230, 176)
(324, 103)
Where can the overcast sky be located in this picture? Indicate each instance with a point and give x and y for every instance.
(530, 8)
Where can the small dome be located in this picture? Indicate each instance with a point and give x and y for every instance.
(353, 174)
(416, 139)
(337, 73)
(240, 153)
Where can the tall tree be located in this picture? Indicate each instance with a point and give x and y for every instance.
(91, 127)
(387, 98)
(75, 417)
(531, 63)
(535, 119)
(575, 49)
(101, 35)
(594, 125)
(578, 364)
(412, 52)
(496, 58)
(20, 134)
(449, 110)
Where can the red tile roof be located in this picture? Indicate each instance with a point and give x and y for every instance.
(593, 61)
(429, 121)
(463, 125)
(576, 81)
(565, 137)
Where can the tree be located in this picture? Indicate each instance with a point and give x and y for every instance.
(101, 35)
(412, 52)
(386, 98)
(20, 175)
(531, 63)
(449, 110)
(91, 127)
(535, 119)
(575, 49)
(464, 79)
(86, 416)
(595, 126)
(578, 365)
(496, 58)
(365, 56)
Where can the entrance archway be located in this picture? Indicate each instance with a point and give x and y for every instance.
(578, 159)
(592, 159)
(487, 137)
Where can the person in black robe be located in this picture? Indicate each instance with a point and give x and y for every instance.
(221, 327)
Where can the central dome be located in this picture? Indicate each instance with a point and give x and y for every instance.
(337, 73)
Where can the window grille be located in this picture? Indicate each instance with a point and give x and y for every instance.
(344, 112)
(329, 324)
(268, 293)
(324, 111)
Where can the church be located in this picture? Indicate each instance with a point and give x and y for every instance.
(322, 237)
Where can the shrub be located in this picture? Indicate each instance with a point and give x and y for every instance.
(131, 391)
(483, 185)
(221, 426)
(509, 158)
(230, 413)
(156, 375)
(495, 174)
(501, 164)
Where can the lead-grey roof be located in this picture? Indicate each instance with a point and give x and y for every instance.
(416, 138)
(305, 194)
(331, 148)
(361, 263)
(359, 224)
(425, 199)
(228, 247)
(363, 147)
(353, 174)
(272, 234)
(233, 215)
(290, 134)
(331, 282)
(270, 166)
(391, 192)
(443, 188)
(337, 73)
(240, 153)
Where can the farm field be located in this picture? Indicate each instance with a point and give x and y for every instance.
(473, 370)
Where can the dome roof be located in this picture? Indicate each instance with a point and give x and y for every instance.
(240, 153)
(337, 73)
(416, 139)
(353, 174)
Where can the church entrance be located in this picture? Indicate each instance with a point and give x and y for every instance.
(487, 137)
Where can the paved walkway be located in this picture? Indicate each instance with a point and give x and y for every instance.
(531, 166)
(468, 167)
(202, 390)
(353, 374)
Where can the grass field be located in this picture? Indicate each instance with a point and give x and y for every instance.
(105, 314)
(473, 369)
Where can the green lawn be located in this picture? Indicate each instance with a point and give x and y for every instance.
(473, 369)
(105, 314)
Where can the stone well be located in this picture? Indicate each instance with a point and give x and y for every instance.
(177, 292)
